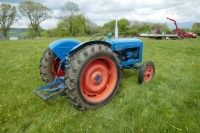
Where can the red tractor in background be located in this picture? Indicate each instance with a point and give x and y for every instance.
(181, 33)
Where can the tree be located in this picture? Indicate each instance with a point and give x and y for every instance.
(7, 17)
(132, 28)
(71, 10)
(108, 27)
(36, 13)
(91, 28)
(81, 26)
(49, 33)
(31, 32)
(196, 28)
(124, 26)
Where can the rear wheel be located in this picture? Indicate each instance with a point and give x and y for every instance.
(49, 64)
(146, 72)
(93, 77)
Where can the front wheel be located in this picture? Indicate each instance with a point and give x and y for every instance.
(93, 77)
(146, 72)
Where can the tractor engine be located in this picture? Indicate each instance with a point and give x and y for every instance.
(128, 54)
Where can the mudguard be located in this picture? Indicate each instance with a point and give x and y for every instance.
(81, 45)
(62, 47)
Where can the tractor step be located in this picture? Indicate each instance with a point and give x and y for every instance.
(51, 90)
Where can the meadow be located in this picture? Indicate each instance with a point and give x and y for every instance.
(169, 103)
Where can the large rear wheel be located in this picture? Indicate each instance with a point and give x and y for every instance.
(49, 65)
(93, 77)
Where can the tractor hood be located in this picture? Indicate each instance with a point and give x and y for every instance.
(120, 44)
(125, 41)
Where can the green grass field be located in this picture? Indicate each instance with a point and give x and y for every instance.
(169, 103)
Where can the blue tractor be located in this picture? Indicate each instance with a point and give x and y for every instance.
(90, 72)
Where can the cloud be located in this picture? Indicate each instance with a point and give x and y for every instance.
(153, 11)
(49, 23)
(19, 1)
(10, 1)
(142, 10)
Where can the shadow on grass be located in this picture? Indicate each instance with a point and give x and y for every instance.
(127, 73)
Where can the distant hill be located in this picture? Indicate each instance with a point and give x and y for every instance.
(17, 32)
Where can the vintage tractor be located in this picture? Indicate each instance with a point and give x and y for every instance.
(90, 72)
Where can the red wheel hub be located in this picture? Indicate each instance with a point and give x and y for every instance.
(98, 79)
(55, 66)
(148, 74)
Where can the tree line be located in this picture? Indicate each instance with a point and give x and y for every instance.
(72, 22)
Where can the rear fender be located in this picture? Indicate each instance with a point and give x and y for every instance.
(62, 47)
(82, 45)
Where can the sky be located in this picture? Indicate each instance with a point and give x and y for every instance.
(185, 12)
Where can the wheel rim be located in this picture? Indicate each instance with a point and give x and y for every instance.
(98, 79)
(148, 74)
(55, 66)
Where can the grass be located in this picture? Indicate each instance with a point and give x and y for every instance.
(169, 103)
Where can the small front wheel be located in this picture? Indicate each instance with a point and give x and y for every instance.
(146, 72)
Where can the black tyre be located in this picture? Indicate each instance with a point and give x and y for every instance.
(146, 72)
(93, 77)
(49, 64)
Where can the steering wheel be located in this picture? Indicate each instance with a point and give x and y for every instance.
(97, 37)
